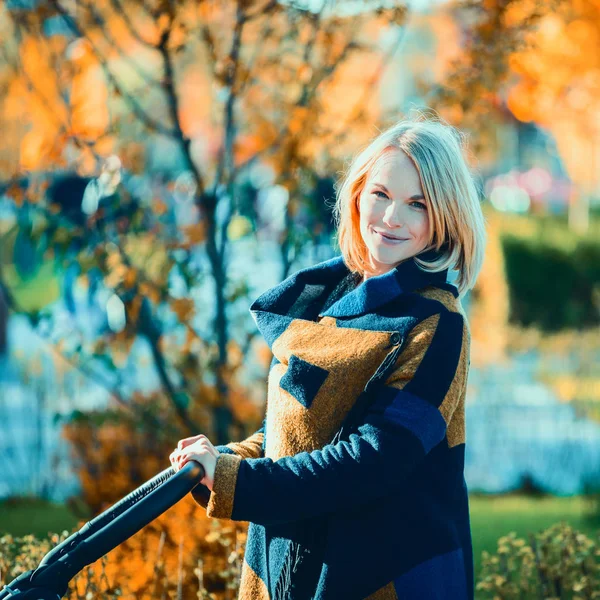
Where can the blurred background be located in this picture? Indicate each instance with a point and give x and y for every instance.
(163, 162)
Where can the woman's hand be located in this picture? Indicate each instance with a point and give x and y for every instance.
(200, 449)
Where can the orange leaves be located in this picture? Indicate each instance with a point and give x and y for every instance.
(129, 278)
(34, 100)
(89, 104)
(115, 276)
(149, 291)
(244, 408)
(133, 156)
(184, 308)
(194, 234)
(149, 256)
(298, 119)
(159, 207)
(133, 308)
(16, 193)
(247, 146)
(521, 104)
(263, 354)
(195, 103)
(120, 347)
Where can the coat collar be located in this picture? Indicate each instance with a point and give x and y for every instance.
(376, 291)
(299, 294)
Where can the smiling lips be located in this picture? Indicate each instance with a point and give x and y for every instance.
(391, 238)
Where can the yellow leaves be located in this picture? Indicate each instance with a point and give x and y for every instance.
(159, 207)
(116, 275)
(195, 104)
(120, 347)
(305, 73)
(521, 103)
(129, 278)
(247, 146)
(133, 308)
(80, 53)
(34, 103)
(149, 291)
(235, 356)
(191, 340)
(238, 227)
(35, 146)
(184, 308)
(149, 256)
(133, 156)
(298, 119)
(263, 354)
(89, 104)
(243, 407)
(16, 194)
(62, 236)
(571, 387)
(195, 233)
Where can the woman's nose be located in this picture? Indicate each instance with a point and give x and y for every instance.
(393, 216)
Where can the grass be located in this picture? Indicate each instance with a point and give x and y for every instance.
(22, 516)
(491, 518)
(495, 516)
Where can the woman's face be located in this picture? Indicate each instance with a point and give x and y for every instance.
(394, 222)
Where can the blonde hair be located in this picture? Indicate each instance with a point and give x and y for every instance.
(456, 222)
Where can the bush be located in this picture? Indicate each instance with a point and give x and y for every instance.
(18, 555)
(156, 573)
(558, 564)
(116, 451)
(553, 274)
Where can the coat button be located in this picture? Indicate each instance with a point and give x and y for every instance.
(395, 338)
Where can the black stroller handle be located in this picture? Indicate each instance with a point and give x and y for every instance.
(103, 533)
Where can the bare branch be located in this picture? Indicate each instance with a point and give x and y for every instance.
(120, 10)
(226, 162)
(133, 104)
(173, 104)
(265, 10)
(358, 109)
(232, 63)
(65, 128)
(100, 22)
(308, 92)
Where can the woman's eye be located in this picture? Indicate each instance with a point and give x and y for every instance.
(379, 192)
(421, 205)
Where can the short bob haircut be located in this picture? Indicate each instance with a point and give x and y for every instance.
(456, 222)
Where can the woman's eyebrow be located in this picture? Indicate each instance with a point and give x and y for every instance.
(415, 197)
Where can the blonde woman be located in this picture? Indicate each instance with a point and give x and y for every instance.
(354, 486)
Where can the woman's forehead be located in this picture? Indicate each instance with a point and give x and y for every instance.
(394, 168)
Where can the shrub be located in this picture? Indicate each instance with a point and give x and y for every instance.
(557, 564)
(154, 573)
(117, 451)
(18, 555)
(553, 274)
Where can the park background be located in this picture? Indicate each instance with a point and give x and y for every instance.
(163, 162)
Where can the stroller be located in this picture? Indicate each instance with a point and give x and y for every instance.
(118, 523)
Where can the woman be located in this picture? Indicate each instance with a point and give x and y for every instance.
(354, 486)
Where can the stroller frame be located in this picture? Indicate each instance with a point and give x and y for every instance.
(50, 580)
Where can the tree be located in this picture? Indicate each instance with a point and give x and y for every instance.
(224, 85)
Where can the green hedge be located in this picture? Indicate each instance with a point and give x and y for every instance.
(553, 274)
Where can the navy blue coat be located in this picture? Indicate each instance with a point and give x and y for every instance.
(382, 511)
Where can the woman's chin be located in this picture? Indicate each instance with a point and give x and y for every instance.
(390, 259)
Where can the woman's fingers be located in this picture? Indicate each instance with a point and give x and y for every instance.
(173, 457)
(181, 444)
(198, 446)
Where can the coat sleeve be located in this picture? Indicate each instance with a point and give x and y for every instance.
(251, 447)
(407, 419)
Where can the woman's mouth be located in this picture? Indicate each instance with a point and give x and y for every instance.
(388, 239)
